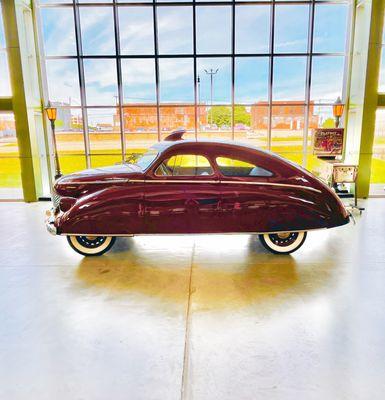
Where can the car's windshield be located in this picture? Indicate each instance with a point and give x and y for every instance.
(146, 159)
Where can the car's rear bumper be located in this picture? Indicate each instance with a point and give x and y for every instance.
(50, 221)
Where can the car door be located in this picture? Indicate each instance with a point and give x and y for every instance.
(244, 199)
(181, 195)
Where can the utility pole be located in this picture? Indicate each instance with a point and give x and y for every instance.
(199, 89)
(211, 73)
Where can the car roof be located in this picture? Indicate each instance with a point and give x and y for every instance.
(218, 143)
(162, 146)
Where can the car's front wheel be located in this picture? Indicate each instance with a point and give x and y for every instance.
(283, 242)
(91, 245)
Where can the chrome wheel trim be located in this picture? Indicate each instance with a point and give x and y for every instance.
(100, 243)
(284, 244)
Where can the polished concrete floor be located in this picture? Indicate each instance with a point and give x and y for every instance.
(192, 317)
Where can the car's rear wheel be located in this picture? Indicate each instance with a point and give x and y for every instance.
(283, 242)
(91, 245)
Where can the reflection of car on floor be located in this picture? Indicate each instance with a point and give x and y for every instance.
(184, 186)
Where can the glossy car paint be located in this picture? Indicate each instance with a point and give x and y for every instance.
(123, 200)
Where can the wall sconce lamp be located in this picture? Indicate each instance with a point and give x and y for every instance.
(338, 110)
(51, 114)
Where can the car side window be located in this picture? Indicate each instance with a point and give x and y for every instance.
(234, 167)
(185, 165)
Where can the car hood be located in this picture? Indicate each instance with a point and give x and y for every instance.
(110, 173)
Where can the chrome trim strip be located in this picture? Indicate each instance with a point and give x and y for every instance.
(275, 184)
(98, 182)
(228, 182)
(194, 181)
(172, 181)
(186, 234)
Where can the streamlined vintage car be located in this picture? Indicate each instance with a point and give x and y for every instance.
(183, 186)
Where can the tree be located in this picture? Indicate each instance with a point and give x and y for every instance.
(59, 123)
(328, 123)
(241, 116)
(221, 115)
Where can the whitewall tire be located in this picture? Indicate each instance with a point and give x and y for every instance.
(283, 243)
(91, 245)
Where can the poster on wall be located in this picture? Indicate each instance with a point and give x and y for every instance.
(328, 141)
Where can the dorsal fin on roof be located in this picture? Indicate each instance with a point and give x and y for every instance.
(175, 135)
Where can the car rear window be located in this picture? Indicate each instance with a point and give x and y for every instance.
(234, 167)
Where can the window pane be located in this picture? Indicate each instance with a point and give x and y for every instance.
(136, 30)
(95, 1)
(134, 1)
(287, 131)
(221, 88)
(97, 26)
(174, 1)
(330, 28)
(10, 173)
(252, 29)
(289, 78)
(104, 130)
(378, 161)
(381, 83)
(5, 84)
(319, 117)
(138, 81)
(101, 83)
(327, 78)
(172, 118)
(259, 122)
(140, 127)
(185, 165)
(235, 167)
(214, 122)
(176, 80)
(70, 139)
(59, 39)
(105, 160)
(2, 35)
(69, 130)
(291, 28)
(242, 124)
(55, 1)
(251, 79)
(175, 31)
(213, 30)
(63, 81)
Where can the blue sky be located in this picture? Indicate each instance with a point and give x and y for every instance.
(213, 36)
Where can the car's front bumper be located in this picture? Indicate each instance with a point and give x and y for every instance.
(50, 221)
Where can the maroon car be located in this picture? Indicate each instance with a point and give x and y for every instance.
(184, 186)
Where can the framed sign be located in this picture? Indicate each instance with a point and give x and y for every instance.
(343, 173)
(328, 141)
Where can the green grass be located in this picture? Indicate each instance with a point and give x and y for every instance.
(379, 140)
(378, 171)
(10, 173)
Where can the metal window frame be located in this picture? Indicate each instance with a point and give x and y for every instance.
(76, 5)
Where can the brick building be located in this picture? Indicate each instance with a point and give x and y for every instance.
(289, 116)
(140, 117)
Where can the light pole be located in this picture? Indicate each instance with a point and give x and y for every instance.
(199, 89)
(51, 114)
(211, 73)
